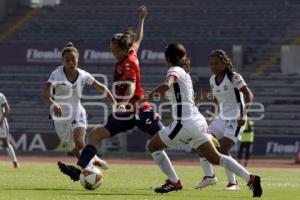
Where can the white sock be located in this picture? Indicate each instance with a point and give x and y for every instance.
(97, 158)
(230, 164)
(207, 167)
(164, 163)
(11, 152)
(230, 176)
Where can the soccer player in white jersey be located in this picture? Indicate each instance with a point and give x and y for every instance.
(4, 131)
(232, 97)
(188, 126)
(62, 93)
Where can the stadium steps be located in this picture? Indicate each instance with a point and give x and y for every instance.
(19, 23)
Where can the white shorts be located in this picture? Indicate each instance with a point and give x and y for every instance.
(64, 128)
(4, 131)
(226, 128)
(177, 134)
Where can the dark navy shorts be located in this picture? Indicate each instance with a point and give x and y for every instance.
(146, 121)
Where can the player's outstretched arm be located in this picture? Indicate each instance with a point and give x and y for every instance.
(140, 26)
(104, 90)
(161, 89)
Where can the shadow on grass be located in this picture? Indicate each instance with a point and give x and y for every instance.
(37, 189)
(119, 192)
(114, 194)
(83, 192)
(125, 192)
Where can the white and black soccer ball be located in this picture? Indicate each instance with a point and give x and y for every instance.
(91, 178)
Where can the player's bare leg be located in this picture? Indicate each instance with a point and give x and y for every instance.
(214, 157)
(10, 151)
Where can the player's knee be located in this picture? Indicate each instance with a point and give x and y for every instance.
(79, 145)
(152, 147)
(97, 135)
(213, 159)
(224, 150)
(4, 143)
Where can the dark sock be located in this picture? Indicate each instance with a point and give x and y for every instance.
(86, 156)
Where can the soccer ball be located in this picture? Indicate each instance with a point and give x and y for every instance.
(91, 178)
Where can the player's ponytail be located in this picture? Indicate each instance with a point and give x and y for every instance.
(229, 70)
(69, 47)
(176, 54)
(124, 40)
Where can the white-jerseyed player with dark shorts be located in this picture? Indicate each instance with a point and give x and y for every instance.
(188, 126)
(232, 97)
(4, 130)
(62, 93)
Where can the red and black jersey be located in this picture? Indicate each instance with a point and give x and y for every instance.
(128, 70)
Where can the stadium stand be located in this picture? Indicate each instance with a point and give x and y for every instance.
(261, 27)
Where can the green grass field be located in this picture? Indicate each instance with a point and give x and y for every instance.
(43, 181)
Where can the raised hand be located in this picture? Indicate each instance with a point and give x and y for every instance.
(142, 12)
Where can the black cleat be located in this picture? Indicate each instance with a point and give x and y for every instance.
(168, 187)
(69, 170)
(254, 185)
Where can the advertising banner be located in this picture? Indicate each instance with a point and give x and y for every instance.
(91, 54)
(264, 145)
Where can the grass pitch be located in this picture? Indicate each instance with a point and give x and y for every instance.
(43, 181)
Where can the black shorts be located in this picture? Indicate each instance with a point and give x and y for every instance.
(146, 121)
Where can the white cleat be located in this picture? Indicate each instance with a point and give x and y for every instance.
(206, 181)
(231, 187)
(100, 163)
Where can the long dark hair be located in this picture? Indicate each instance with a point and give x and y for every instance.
(125, 39)
(229, 70)
(69, 47)
(176, 54)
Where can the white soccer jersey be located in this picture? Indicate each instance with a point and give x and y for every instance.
(181, 96)
(2, 101)
(4, 130)
(68, 94)
(228, 94)
(189, 126)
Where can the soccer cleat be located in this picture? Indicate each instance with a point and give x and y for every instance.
(169, 186)
(231, 187)
(254, 185)
(16, 164)
(100, 163)
(206, 181)
(69, 170)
